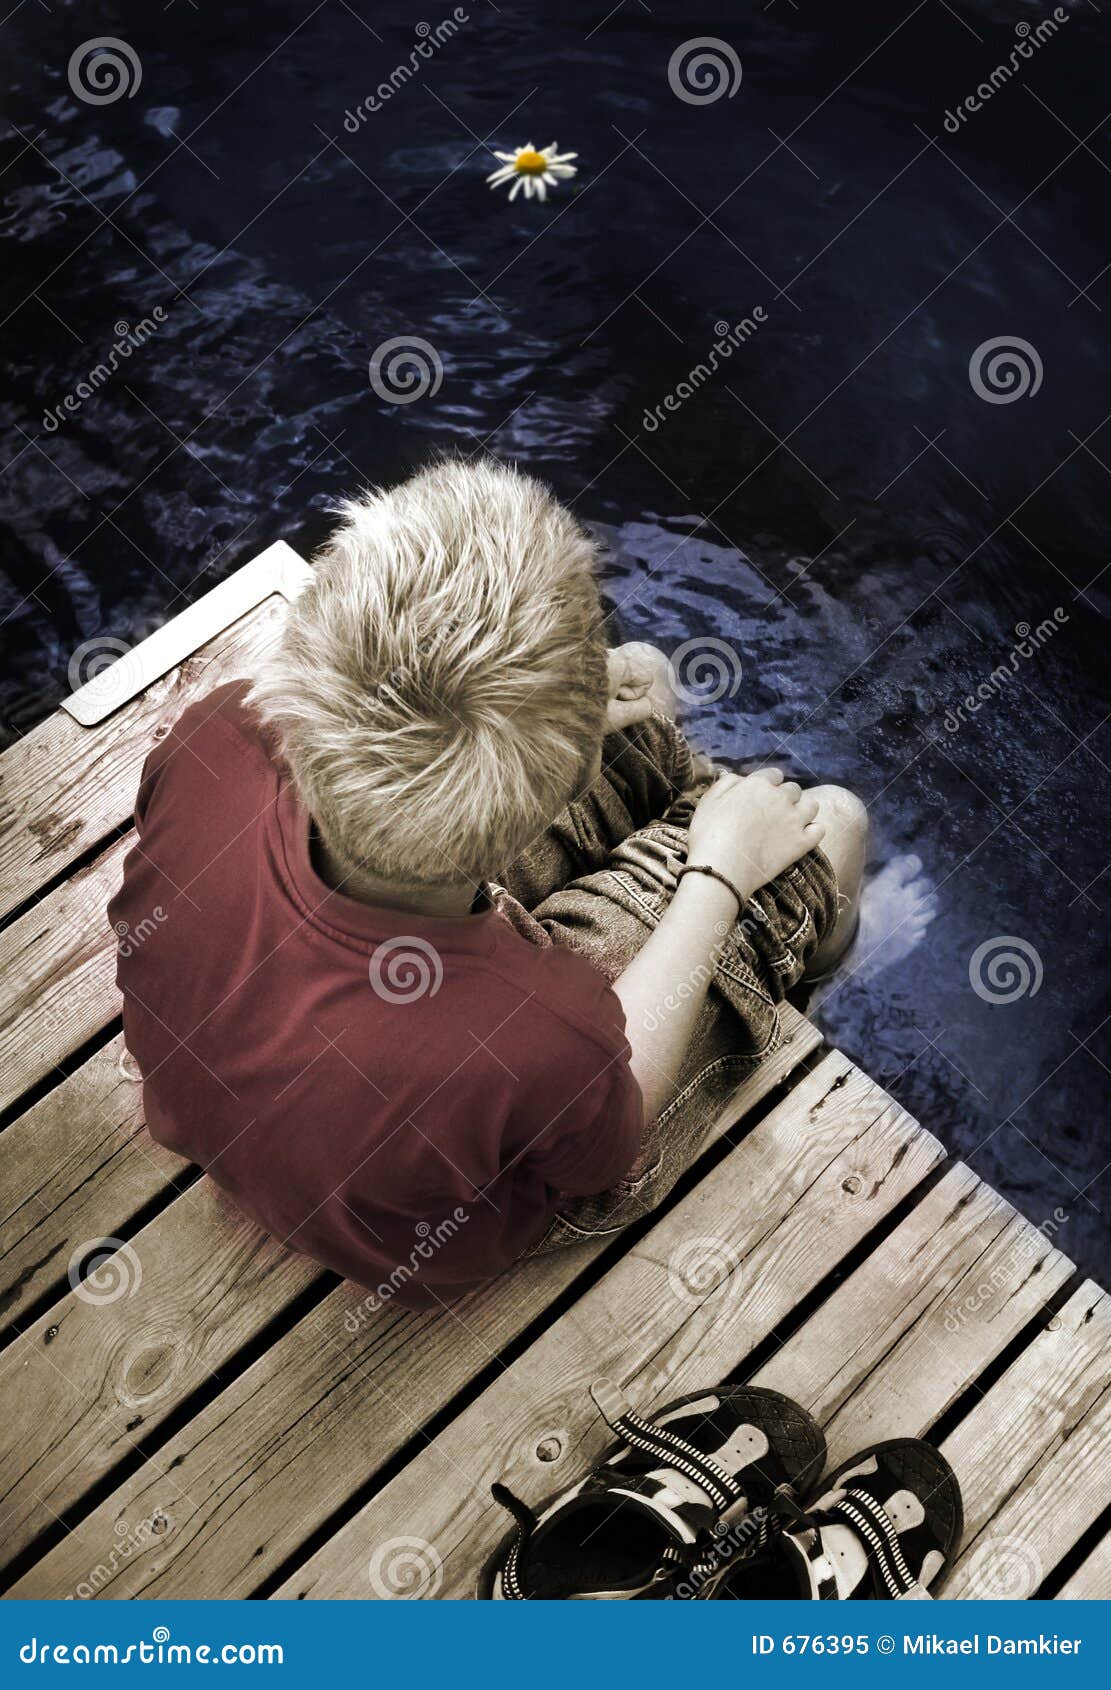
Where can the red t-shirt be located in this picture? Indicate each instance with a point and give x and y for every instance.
(393, 1094)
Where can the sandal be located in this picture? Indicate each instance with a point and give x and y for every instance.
(698, 1477)
(883, 1528)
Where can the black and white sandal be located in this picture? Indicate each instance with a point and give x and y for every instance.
(679, 1491)
(884, 1527)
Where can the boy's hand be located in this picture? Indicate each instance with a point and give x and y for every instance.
(637, 685)
(752, 827)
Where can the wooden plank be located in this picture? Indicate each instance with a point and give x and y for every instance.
(77, 1166)
(1091, 1581)
(898, 1342)
(64, 788)
(1032, 1455)
(709, 1281)
(272, 1457)
(58, 967)
(104, 1367)
(1024, 1419)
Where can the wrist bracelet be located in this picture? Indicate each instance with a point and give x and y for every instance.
(703, 868)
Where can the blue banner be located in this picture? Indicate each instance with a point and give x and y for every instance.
(569, 1646)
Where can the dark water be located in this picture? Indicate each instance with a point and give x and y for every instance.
(792, 507)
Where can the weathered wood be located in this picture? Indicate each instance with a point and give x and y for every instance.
(58, 968)
(1091, 1581)
(64, 788)
(1036, 1452)
(708, 1282)
(897, 1343)
(103, 1367)
(75, 1167)
(1021, 1421)
(273, 1456)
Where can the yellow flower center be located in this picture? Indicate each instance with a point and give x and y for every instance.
(529, 162)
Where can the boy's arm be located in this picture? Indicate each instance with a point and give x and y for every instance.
(664, 988)
(749, 828)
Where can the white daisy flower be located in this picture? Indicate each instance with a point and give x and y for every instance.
(535, 170)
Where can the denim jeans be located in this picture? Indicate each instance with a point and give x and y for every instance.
(598, 881)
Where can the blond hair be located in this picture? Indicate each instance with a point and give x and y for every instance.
(439, 689)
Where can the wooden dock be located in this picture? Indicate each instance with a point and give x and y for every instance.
(210, 1416)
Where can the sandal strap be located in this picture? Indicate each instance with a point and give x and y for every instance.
(526, 1521)
(870, 1522)
(873, 1524)
(665, 1446)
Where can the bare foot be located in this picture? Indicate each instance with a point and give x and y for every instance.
(896, 907)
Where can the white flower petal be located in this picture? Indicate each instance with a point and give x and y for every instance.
(506, 158)
(517, 186)
(503, 175)
(541, 190)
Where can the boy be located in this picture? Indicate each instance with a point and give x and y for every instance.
(457, 963)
